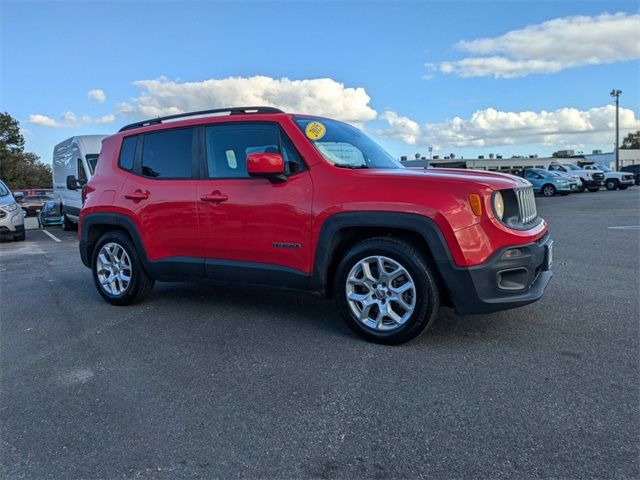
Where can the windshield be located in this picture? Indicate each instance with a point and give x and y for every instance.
(343, 145)
(571, 166)
(4, 191)
(603, 168)
(92, 160)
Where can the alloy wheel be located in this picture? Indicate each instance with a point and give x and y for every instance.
(113, 267)
(381, 293)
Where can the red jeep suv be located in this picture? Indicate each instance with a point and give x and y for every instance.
(256, 195)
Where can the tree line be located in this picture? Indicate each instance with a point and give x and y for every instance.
(20, 169)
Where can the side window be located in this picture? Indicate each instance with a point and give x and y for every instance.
(229, 145)
(82, 175)
(127, 152)
(554, 168)
(168, 154)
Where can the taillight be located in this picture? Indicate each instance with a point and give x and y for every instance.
(86, 190)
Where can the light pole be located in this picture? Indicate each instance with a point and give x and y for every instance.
(616, 94)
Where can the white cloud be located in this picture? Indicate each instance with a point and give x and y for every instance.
(97, 95)
(400, 128)
(68, 120)
(105, 119)
(490, 127)
(42, 120)
(550, 47)
(321, 96)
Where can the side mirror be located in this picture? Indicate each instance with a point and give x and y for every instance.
(266, 165)
(72, 182)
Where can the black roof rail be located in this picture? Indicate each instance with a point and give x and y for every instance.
(231, 111)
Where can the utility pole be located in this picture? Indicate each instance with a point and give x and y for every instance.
(616, 94)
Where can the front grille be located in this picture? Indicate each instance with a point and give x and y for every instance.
(627, 177)
(2, 214)
(598, 176)
(527, 212)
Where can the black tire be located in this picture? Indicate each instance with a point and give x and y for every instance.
(594, 189)
(564, 194)
(140, 284)
(612, 184)
(68, 225)
(413, 261)
(21, 237)
(548, 190)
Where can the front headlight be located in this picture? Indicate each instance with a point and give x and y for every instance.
(11, 207)
(498, 205)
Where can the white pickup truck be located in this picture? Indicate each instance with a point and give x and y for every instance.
(592, 180)
(613, 179)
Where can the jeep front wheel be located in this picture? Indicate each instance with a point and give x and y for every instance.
(117, 270)
(386, 291)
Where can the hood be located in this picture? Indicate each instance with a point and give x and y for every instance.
(492, 180)
(7, 200)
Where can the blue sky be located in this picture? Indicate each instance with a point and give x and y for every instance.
(54, 53)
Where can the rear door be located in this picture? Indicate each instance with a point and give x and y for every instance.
(160, 192)
(253, 220)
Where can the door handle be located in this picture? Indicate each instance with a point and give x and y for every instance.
(215, 197)
(137, 195)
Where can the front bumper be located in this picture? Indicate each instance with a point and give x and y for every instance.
(6, 231)
(594, 183)
(501, 283)
(50, 220)
(11, 222)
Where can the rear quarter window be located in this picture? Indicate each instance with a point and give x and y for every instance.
(128, 152)
(168, 154)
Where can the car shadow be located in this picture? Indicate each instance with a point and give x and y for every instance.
(303, 310)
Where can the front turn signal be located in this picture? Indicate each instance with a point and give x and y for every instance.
(476, 204)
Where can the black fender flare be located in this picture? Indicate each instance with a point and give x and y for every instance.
(327, 242)
(117, 220)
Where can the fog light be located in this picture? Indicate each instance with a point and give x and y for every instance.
(512, 253)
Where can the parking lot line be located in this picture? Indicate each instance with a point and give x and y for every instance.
(51, 235)
(625, 227)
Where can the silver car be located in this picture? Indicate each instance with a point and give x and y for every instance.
(11, 215)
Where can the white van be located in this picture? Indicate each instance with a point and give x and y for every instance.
(74, 162)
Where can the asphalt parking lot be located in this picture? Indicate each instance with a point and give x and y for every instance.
(221, 381)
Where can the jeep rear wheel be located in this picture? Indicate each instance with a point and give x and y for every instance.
(117, 271)
(386, 291)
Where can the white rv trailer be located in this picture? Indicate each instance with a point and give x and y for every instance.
(74, 162)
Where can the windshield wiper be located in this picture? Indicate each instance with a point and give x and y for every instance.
(352, 167)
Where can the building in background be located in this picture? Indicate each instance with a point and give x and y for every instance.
(516, 164)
